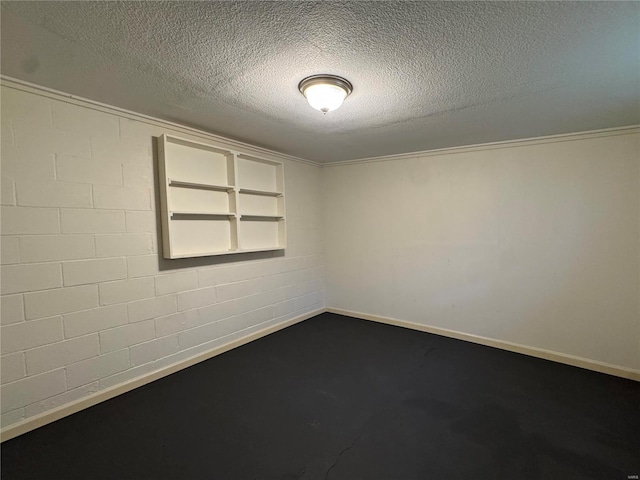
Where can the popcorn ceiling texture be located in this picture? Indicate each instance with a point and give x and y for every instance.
(426, 74)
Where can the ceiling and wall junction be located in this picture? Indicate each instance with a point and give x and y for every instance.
(426, 75)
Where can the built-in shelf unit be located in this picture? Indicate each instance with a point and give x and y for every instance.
(216, 201)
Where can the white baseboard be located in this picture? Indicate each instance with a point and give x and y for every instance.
(50, 416)
(511, 347)
(37, 421)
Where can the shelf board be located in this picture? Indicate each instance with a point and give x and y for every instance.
(261, 217)
(266, 193)
(228, 252)
(263, 249)
(202, 186)
(204, 254)
(197, 145)
(206, 214)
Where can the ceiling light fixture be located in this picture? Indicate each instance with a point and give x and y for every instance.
(325, 92)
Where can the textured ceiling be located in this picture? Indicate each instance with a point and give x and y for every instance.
(425, 74)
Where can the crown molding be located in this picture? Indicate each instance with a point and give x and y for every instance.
(255, 150)
(564, 137)
(156, 122)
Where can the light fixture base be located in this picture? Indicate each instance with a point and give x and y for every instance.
(326, 80)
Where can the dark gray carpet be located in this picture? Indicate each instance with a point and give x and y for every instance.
(341, 398)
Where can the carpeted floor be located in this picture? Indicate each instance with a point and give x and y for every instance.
(341, 398)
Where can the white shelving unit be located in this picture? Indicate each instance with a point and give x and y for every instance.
(216, 201)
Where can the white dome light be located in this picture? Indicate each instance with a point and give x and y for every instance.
(325, 92)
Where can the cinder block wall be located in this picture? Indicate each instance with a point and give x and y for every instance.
(87, 302)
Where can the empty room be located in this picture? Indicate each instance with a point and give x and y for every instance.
(384, 240)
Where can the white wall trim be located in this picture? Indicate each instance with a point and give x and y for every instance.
(50, 416)
(564, 137)
(70, 408)
(18, 84)
(509, 346)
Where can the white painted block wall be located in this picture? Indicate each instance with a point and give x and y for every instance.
(535, 244)
(87, 302)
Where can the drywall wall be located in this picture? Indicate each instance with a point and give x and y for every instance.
(536, 244)
(87, 302)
